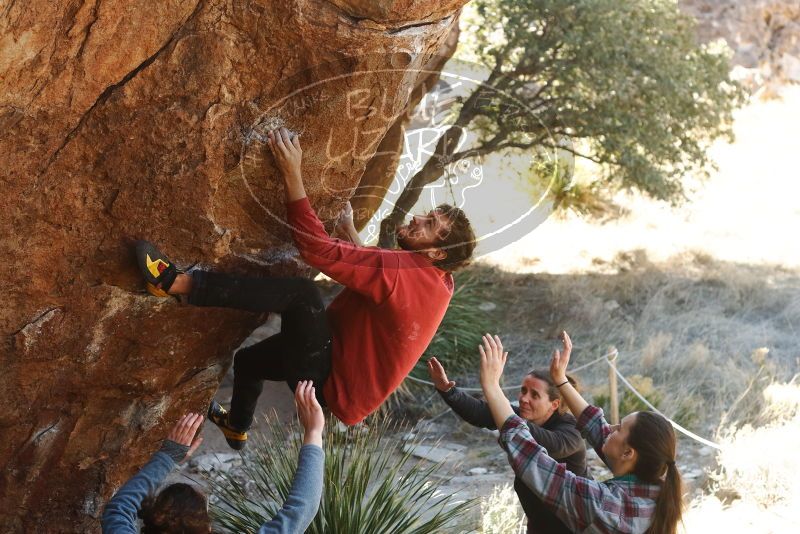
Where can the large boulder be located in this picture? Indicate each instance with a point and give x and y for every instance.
(124, 119)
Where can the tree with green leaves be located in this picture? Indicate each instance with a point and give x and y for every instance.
(622, 84)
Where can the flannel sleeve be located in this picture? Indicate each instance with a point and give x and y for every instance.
(577, 501)
(593, 426)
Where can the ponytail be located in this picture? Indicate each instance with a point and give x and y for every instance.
(669, 504)
(653, 439)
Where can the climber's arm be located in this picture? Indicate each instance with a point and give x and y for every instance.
(286, 149)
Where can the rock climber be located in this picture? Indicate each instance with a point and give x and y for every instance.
(370, 337)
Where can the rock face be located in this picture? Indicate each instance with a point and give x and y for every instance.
(380, 171)
(764, 35)
(124, 120)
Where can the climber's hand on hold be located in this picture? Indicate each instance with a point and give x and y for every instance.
(285, 147)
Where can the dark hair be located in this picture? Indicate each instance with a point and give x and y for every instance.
(653, 438)
(553, 393)
(179, 508)
(459, 243)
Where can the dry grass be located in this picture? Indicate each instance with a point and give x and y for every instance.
(695, 326)
(501, 513)
(756, 488)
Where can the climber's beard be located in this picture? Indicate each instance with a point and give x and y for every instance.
(403, 240)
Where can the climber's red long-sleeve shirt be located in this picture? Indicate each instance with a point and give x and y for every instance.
(381, 322)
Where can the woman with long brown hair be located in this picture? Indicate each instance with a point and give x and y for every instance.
(644, 496)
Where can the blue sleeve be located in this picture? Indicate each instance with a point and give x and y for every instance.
(302, 504)
(121, 512)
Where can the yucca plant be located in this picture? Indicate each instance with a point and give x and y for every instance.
(370, 485)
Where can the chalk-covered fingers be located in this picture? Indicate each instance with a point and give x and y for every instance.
(284, 141)
(346, 215)
(285, 147)
(345, 224)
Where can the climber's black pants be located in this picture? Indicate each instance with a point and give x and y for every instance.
(301, 351)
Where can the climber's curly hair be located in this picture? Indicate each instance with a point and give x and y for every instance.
(178, 508)
(459, 242)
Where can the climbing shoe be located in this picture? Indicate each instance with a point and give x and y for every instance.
(158, 271)
(219, 416)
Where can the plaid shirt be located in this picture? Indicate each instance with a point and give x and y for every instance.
(621, 505)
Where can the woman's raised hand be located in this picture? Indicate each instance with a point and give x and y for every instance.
(438, 376)
(560, 359)
(493, 359)
(309, 412)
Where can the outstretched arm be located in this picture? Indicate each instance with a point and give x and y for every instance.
(285, 147)
(474, 411)
(302, 503)
(369, 271)
(493, 359)
(591, 422)
(558, 372)
(119, 515)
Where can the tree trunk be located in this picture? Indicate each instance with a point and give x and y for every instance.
(434, 167)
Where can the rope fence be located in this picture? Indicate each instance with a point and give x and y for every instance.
(675, 425)
(610, 359)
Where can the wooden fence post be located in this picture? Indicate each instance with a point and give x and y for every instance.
(612, 385)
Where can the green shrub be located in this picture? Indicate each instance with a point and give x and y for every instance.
(370, 485)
